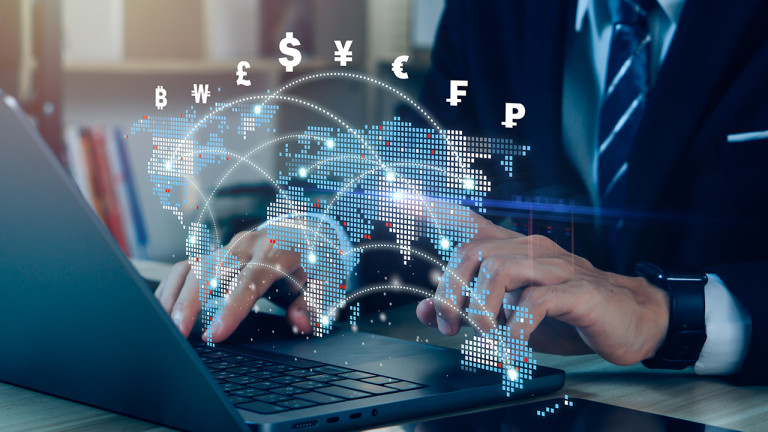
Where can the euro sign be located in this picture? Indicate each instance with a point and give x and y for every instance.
(287, 45)
(397, 67)
(241, 73)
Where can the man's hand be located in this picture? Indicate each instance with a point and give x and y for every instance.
(179, 291)
(576, 308)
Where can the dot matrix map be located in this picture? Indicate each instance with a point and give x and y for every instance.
(338, 186)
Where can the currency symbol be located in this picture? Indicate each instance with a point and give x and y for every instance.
(455, 92)
(515, 111)
(342, 53)
(200, 91)
(160, 97)
(397, 67)
(287, 47)
(241, 73)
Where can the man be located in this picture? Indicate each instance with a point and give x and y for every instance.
(644, 110)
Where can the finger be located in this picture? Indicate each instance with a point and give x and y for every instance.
(487, 297)
(298, 315)
(253, 281)
(170, 287)
(187, 306)
(540, 302)
(426, 313)
(460, 271)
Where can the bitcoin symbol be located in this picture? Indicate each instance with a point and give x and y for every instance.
(160, 97)
(342, 53)
(397, 67)
(241, 73)
(287, 47)
(515, 111)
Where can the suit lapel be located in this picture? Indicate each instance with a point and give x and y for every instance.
(707, 36)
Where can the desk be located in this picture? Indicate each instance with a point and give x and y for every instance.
(671, 393)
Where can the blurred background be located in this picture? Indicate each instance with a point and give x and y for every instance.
(86, 70)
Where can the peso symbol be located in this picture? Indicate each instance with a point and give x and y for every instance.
(160, 97)
(514, 111)
(287, 45)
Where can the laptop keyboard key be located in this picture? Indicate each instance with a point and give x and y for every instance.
(258, 363)
(296, 404)
(309, 385)
(220, 375)
(271, 397)
(404, 385)
(228, 386)
(380, 380)
(289, 390)
(262, 374)
(242, 370)
(286, 379)
(248, 392)
(262, 408)
(343, 392)
(221, 365)
(216, 354)
(356, 375)
(302, 373)
(328, 369)
(324, 378)
(363, 386)
(242, 379)
(265, 385)
(235, 399)
(319, 397)
(280, 368)
(239, 359)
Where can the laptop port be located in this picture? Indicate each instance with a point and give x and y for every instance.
(332, 419)
(355, 416)
(304, 425)
(374, 412)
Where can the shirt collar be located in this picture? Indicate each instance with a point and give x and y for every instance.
(672, 8)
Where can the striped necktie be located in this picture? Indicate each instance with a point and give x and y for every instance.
(623, 101)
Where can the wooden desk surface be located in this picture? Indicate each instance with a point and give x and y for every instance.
(671, 393)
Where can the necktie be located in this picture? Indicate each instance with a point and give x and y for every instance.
(623, 101)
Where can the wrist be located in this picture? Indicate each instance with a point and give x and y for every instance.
(658, 320)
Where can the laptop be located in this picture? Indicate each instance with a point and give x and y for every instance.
(80, 323)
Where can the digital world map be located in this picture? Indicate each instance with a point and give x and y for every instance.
(334, 186)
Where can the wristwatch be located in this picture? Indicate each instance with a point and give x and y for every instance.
(686, 332)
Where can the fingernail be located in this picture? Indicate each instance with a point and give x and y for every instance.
(176, 318)
(444, 326)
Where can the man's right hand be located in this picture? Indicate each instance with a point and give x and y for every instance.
(179, 294)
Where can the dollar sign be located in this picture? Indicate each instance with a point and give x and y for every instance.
(160, 97)
(286, 47)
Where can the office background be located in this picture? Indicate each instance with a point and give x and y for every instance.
(91, 67)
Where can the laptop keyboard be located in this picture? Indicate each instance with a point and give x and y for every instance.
(268, 386)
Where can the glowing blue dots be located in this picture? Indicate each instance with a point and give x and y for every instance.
(168, 165)
(330, 143)
(469, 183)
(257, 109)
(214, 283)
(324, 320)
(302, 172)
(192, 240)
(390, 176)
(445, 243)
(312, 258)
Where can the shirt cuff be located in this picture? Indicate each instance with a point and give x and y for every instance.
(728, 329)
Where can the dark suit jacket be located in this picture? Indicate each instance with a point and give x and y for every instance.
(694, 198)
